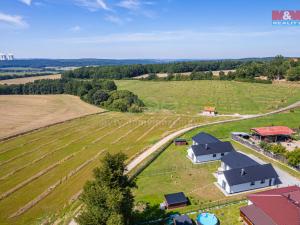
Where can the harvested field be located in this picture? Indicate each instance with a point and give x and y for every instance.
(29, 79)
(21, 113)
(41, 172)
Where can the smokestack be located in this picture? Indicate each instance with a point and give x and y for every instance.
(243, 172)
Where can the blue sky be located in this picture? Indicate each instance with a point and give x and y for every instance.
(146, 29)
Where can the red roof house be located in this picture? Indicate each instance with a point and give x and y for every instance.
(274, 207)
(273, 131)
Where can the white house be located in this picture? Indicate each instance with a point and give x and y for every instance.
(240, 173)
(209, 152)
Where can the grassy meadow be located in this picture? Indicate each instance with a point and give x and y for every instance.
(189, 97)
(42, 171)
(173, 172)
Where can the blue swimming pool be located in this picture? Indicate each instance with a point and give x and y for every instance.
(207, 219)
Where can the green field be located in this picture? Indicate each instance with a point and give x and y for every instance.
(173, 172)
(189, 97)
(62, 157)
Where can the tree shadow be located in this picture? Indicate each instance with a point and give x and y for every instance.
(152, 214)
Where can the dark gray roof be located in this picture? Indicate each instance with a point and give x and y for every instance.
(182, 220)
(238, 160)
(212, 148)
(252, 173)
(204, 138)
(176, 198)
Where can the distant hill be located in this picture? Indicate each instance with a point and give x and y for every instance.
(40, 63)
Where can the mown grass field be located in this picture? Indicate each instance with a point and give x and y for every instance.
(50, 166)
(189, 97)
(173, 172)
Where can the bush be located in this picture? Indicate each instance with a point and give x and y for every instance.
(294, 157)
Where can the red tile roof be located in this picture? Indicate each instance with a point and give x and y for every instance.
(281, 204)
(274, 130)
(257, 216)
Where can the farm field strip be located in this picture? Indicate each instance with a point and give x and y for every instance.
(151, 128)
(60, 162)
(54, 186)
(50, 153)
(129, 132)
(74, 132)
(69, 126)
(38, 196)
(47, 154)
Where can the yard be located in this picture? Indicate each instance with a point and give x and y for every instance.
(173, 172)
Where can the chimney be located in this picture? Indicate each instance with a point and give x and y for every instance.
(243, 172)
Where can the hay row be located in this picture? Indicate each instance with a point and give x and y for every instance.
(41, 158)
(39, 198)
(174, 123)
(152, 128)
(34, 177)
(37, 139)
(129, 132)
(40, 146)
(114, 130)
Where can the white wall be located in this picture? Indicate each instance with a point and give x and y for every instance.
(203, 158)
(243, 187)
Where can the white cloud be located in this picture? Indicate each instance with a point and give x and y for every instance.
(93, 5)
(130, 4)
(27, 2)
(75, 28)
(114, 19)
(14, 20)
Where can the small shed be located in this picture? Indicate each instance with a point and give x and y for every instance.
(183, 220)
(180, 141)
(176, 200)
(209, 111)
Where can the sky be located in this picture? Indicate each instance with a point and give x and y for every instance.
(152, 29)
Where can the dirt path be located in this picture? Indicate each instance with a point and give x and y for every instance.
(170, 137)
(166, 139)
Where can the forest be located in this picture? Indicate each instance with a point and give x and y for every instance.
(252, 71)
(129, 71)
(102, 93)
(278, 67)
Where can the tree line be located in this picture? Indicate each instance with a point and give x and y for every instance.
(254, 71)
(102, 93)
(129, 71)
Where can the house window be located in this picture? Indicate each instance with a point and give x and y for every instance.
(222, 154)
(252, 183)
(262, 181)
(214, 155)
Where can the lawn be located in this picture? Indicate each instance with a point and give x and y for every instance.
(63, 156)
(189, 97)
(173, 172)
